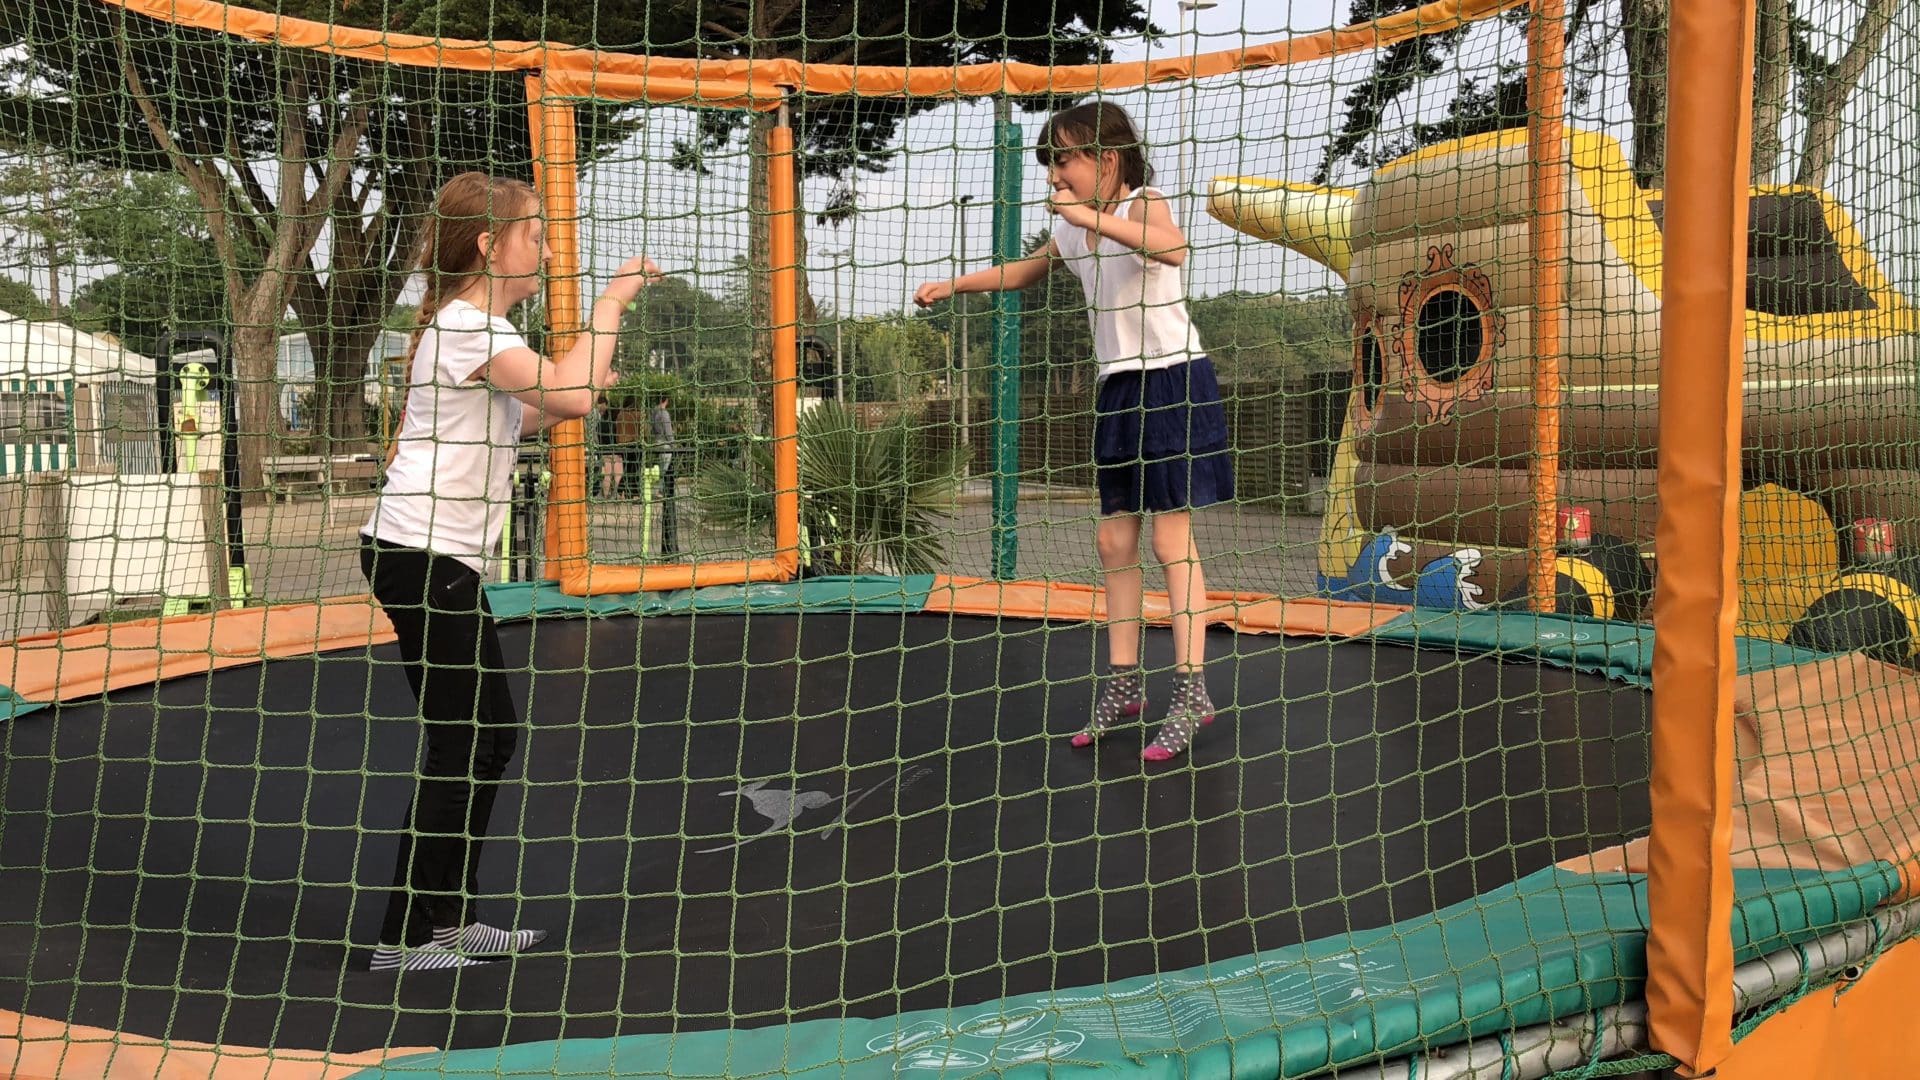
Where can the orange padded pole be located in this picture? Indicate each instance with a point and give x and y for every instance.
(556, 172)
(1547, 173)
(1702, 345)
(782, 192)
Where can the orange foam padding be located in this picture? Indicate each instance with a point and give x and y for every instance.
(1702, 346)
(616, 580)
(1247, 613)
(1827, 772)
(784, 285)
(35, 1049)
(1548, 175)
(556, 175)
(1850, 1030)
(93, 660)
(761, 84)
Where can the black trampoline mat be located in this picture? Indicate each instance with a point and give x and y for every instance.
(190, 859)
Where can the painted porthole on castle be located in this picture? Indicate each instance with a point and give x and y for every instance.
(1447, 338)
(1369, 365)
(1447, 334)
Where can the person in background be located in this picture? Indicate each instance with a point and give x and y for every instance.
(663, 442)
(613, 461)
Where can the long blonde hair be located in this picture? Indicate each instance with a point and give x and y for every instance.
(467, 206)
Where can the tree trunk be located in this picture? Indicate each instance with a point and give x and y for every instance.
(1646, 47)
(340, 373)
(1827, 97)
(1772, 66)
(53, 282)
(254, 353)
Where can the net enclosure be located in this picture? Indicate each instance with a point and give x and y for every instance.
(1518, 678)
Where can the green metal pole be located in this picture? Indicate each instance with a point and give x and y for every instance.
(1008, 163)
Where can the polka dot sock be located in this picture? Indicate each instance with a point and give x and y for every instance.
(1189, 711)
(1123, 696)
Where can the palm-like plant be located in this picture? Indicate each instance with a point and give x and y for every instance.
(869, 496)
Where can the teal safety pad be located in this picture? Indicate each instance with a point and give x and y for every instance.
(521, 599)
(1556, 943)
(12, 704)
(1617, 650)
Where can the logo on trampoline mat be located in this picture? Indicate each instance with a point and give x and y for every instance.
(988, 1035)
(782, 807)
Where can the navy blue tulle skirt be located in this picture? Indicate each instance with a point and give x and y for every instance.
(1160, 440)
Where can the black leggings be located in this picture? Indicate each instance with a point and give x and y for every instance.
(453, 662)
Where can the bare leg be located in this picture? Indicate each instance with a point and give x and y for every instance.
(1179, 556)
(1122, 691)
(1119, 543)
(1190, 707)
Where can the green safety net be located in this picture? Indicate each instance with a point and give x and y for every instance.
(835, 822)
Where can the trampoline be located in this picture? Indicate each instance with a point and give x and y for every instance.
(745, 819)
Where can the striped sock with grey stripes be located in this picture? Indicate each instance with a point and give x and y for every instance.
(456, 946)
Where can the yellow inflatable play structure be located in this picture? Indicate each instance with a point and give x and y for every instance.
(1430, 502)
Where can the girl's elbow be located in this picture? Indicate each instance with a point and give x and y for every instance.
(580, 404)
(572, 405)
(1175, 257)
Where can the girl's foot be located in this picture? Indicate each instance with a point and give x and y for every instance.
(1190, 710)
(1124, 696)
(479, 939)
(454, 947)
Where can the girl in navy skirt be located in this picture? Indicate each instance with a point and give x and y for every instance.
(1160, 434)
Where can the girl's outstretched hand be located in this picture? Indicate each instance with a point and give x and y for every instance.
(932, 292)
(635, 274)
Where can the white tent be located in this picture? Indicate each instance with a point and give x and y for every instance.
(69, 398)
(80, 460)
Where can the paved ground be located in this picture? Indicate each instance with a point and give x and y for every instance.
(308, 549)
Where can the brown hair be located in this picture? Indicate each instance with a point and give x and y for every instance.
(1094, 128)
(468, 205)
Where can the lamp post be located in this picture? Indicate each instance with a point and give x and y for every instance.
(1192, 8)
(960, 320)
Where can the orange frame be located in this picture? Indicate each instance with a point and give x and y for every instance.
(568, 559)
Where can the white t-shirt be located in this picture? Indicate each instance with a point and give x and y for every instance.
(1137, 305)
(451, 482)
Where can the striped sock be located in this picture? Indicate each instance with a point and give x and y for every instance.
(436, 955)
(479, 939)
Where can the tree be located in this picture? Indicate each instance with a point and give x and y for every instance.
(894, 359)
(280, 146)
(1266, 337)
(677, 328)
(18, 299)
(841, 137)
(1790, 69)
(1056, 336)
(169, 278)
(43, 196)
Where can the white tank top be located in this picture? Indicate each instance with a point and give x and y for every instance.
(1138, 306)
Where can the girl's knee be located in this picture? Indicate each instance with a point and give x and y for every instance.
(1119, 542)
(1175, 548)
